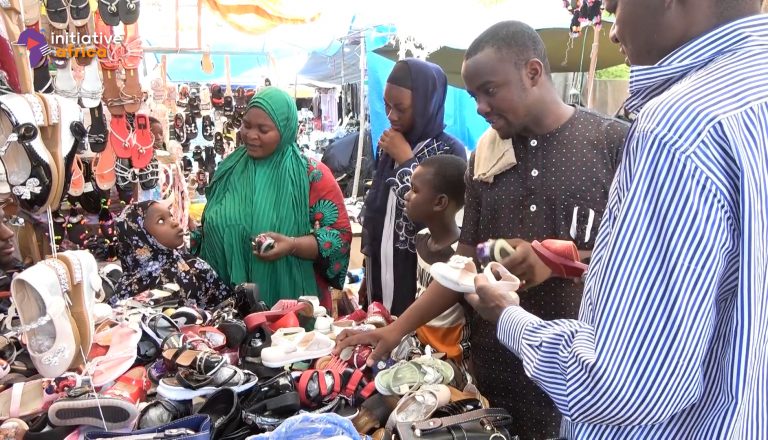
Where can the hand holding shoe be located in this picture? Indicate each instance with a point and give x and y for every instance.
(526, 265)
(490, 301)
(383, 341)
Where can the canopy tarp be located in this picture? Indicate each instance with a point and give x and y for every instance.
(564, 53)
(338, 64)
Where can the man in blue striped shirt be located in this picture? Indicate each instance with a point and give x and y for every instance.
(672, 339)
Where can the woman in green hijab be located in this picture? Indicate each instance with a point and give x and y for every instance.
(267, 186)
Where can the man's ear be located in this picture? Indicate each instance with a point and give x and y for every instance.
(534, 71)
(441, 203)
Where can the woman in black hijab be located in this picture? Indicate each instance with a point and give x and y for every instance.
(414, 99)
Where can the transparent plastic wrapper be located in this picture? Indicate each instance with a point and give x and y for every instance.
(313, 427)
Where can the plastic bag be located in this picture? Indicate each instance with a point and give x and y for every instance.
(313, 427)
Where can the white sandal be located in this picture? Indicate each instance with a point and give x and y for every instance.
(303, 346)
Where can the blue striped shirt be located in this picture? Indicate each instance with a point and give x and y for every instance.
(672, 337)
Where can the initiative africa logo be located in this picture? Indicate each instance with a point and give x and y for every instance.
(36, 45)
(66, 46)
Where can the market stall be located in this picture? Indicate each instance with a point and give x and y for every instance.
(109, 106)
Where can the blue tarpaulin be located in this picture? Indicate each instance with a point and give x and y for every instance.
(461, 118)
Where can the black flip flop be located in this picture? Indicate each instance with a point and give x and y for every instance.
(97, 132)
(57, 13)
(109, 12)
(42, 79)
(208, 128)
(128, 11)
(190, 126)
(218, 143)
(178, 128)
(229, 106)
(79, 11)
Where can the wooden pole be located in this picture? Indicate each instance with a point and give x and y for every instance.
(199, 24)
(178, 43)
(593, 68)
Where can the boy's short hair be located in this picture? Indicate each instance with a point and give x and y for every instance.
(154, 120)
(447, 176)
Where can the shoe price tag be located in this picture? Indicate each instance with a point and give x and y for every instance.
(88, 187)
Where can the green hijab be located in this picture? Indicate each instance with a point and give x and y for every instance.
(250, 196)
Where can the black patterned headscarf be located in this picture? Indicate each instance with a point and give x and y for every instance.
(147, 264)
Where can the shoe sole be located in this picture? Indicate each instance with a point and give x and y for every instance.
(116, 413)
(179, 393)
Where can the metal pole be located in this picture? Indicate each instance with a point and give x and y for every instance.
(343, 103)
(361, 136)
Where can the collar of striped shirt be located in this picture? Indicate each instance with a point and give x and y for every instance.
(648, 82)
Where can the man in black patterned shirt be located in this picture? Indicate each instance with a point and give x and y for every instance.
(565, 158)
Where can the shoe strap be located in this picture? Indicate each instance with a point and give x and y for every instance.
(16, 393)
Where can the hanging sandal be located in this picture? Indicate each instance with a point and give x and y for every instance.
(128, 10)
(130, 60)
(64, 83)
(97, 132)
(77, 184)
(108, 12)
(91, 88)
(29, 165)
(120, 137)
(142, 151)
(104, 169)
(149, 176)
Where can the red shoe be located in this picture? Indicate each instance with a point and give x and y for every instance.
(358, 316)
(561, 256)
(115, 408)
(280, 318)
(378, 315)
(131, 386)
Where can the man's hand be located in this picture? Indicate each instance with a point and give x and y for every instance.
(526, 265)
(394, 144)
(383, 341)
(489, 301)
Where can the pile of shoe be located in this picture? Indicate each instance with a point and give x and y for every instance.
(152, 363)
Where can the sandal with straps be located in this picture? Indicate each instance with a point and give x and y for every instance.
(186, 385)
(142, 150)
(130, 59)
(121, 137)
(204, 363)
(28, 163)
(104, 169)
(108, 12)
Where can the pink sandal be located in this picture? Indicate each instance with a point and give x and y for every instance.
(119, 358)
(104, 169)
(561, 256)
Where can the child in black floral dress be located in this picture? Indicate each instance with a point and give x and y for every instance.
(150, 247)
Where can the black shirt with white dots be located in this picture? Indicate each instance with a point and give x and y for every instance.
(558, 189)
